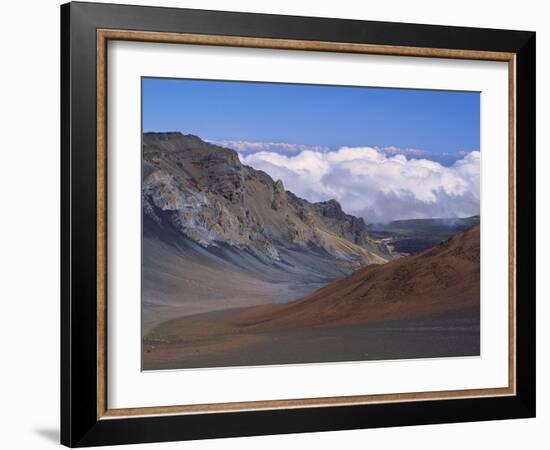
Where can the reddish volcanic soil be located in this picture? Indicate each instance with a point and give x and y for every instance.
(424, 305)
(440, 280)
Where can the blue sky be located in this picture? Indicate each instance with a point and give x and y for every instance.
(441, 123)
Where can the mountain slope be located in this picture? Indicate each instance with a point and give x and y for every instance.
(439, 284)
(441, 281)
(207, 193)
(218, 234)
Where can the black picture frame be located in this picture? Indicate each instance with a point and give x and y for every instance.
(80, 425)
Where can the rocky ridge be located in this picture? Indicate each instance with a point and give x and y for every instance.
(205, 192)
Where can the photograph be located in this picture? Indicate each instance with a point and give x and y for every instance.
(296, 223)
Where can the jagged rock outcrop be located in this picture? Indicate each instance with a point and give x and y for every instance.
(205, 192)
(350, 227)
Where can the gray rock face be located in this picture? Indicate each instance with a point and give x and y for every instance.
(206, 194)
(350, 227)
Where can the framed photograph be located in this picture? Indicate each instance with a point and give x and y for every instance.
(276, 224)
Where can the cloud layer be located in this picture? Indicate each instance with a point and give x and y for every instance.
(376, 184)
(246, 147)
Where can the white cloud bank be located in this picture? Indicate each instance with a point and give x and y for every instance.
(376, 185)
(247, 147)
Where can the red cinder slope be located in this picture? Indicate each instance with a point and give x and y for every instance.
(441, 281)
